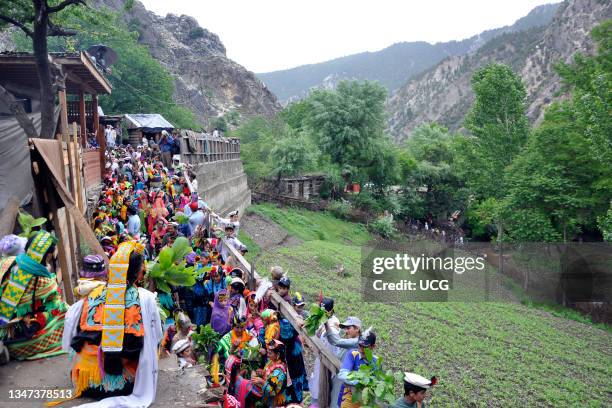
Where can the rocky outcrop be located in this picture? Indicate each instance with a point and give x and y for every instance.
(444, 94)
(207, 82)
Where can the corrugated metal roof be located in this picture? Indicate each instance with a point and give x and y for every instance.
(147, 121)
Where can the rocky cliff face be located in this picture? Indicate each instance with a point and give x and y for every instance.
(444, 94)
(207, 82)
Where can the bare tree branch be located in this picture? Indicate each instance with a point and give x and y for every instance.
(57, 31)
(16, 23)
(20, 114)
(64, 4)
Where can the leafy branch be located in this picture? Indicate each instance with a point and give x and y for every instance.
(171, 269)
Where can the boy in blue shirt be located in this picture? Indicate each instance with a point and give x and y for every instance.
(352, 361)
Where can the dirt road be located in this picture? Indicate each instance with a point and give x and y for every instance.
(175, 388)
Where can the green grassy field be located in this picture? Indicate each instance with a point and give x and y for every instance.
(485, 354)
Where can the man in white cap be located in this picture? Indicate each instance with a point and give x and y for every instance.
(182, 349)
(352, 330)
(232, 219)
(231, 239)
(415, 387)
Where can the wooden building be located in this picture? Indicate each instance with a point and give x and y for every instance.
(146, 124)
(78, 114)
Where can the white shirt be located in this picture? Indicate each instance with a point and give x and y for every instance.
(233, 241)
(108, 135)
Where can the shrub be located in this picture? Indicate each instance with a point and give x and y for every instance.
(197, 32)
(383, 226)
(366, 201)
(340, 209)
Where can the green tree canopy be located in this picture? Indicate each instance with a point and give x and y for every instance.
(498, 129)
(292, 154)
(348, 121)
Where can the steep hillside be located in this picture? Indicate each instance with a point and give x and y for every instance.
(393, 65)
(444, 94)
(207, 82)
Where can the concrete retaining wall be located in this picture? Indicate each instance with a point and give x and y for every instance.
(223, 184)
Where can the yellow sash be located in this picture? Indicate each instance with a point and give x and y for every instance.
(113, 322)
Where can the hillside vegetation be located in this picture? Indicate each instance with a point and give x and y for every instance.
(486, 354)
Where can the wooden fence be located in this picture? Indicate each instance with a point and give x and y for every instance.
(203, 148)
(330, 364)
(91, 168)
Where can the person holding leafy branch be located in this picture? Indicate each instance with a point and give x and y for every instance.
(274, 381)
(236, 339)
(351, 363)
(415, 387)
(238, 386)
(352, 330)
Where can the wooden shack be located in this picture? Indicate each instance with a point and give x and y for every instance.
(146, 124)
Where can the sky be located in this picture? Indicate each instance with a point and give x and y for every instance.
(270, 35)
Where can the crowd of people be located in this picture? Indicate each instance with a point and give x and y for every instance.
(116, 330)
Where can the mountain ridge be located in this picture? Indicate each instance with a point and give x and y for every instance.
(444, 94)
(393, 65)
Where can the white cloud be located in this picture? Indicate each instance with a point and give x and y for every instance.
(268, 35)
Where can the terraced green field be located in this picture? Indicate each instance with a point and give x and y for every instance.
(485, 354)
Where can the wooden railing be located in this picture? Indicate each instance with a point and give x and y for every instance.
(208, 148)
(330, 364)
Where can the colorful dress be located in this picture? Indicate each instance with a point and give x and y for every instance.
(225, 344)
(97, 373)
(295, 360)
(31, 307)
(242, 389)
(274, 391)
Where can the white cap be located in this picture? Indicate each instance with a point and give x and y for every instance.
(236, 280)
(418, 380)
(180, 346)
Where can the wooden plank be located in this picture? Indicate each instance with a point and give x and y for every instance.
(61, 245)
(87, 233)
(68, 277)
(324, 386)
(83, 118)
(328, 359)
(78, 161)
(63, 112)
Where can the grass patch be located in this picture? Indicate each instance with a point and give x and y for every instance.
(486, 354)
(254, 249)
(309, 225)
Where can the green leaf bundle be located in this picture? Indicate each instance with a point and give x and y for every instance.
(171, 269)
(315, 319)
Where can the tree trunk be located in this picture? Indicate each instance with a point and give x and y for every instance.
(20, 114)
(41, 54)
(500, 237)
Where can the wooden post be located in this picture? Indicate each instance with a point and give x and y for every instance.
(61, 245)
(83, 118)
(78, 160)
(63, 111)
(324, 386)
(68, 234)
(98, 133)
(72, 185)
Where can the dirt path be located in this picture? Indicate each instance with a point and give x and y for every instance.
(266, 234)
(175, 388)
